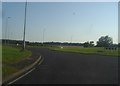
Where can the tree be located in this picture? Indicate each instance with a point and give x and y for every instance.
(105, 41)
(89, 44)
(118, 44)
(86, 44)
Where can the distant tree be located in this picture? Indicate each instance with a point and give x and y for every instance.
(91, 44)
(104, 41)
(118, 44)
(86, 44)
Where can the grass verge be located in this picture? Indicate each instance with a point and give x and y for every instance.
(8, 70)
(12, 55)
(90, 50)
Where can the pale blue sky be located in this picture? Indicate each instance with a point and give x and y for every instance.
(83, 21)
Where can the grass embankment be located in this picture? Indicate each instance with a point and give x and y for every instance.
(10, 56)
(90, 50)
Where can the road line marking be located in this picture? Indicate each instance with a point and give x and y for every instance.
(25, 73)
(40, 61)
(21, 76)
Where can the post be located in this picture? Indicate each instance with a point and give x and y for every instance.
(71, 39)
(6, 30)
(43, 35)
(24, 26)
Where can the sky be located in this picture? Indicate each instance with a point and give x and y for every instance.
(75, 22)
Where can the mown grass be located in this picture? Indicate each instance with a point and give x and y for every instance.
(90, 50)
(7, 70)
(11, 55)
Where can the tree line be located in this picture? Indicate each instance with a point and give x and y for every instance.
(103, 41)
(41, 44)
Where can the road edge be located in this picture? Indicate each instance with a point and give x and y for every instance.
(21, 71)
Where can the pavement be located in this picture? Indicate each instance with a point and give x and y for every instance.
(72, 68)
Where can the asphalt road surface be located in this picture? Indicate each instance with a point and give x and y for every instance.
(72, 68)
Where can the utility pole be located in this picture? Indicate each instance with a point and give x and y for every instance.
(24, 25)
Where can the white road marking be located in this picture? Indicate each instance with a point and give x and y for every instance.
(21, 76)
(40, 61)
(25, 73)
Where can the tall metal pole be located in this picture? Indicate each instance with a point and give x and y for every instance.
(43, 35)
(24, 25)
(71, 39)
(8, 33)
(6, 30)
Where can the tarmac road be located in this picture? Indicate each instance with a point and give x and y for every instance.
(72, 68)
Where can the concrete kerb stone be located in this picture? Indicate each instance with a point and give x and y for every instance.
(21, 71)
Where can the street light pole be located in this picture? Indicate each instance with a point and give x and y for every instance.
(43, 35)
(6, 30)
(71, 39)
(24, 25)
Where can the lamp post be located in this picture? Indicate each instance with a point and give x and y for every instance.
(71, 38)
(24, 25)
(43, 35)
(6, 30)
